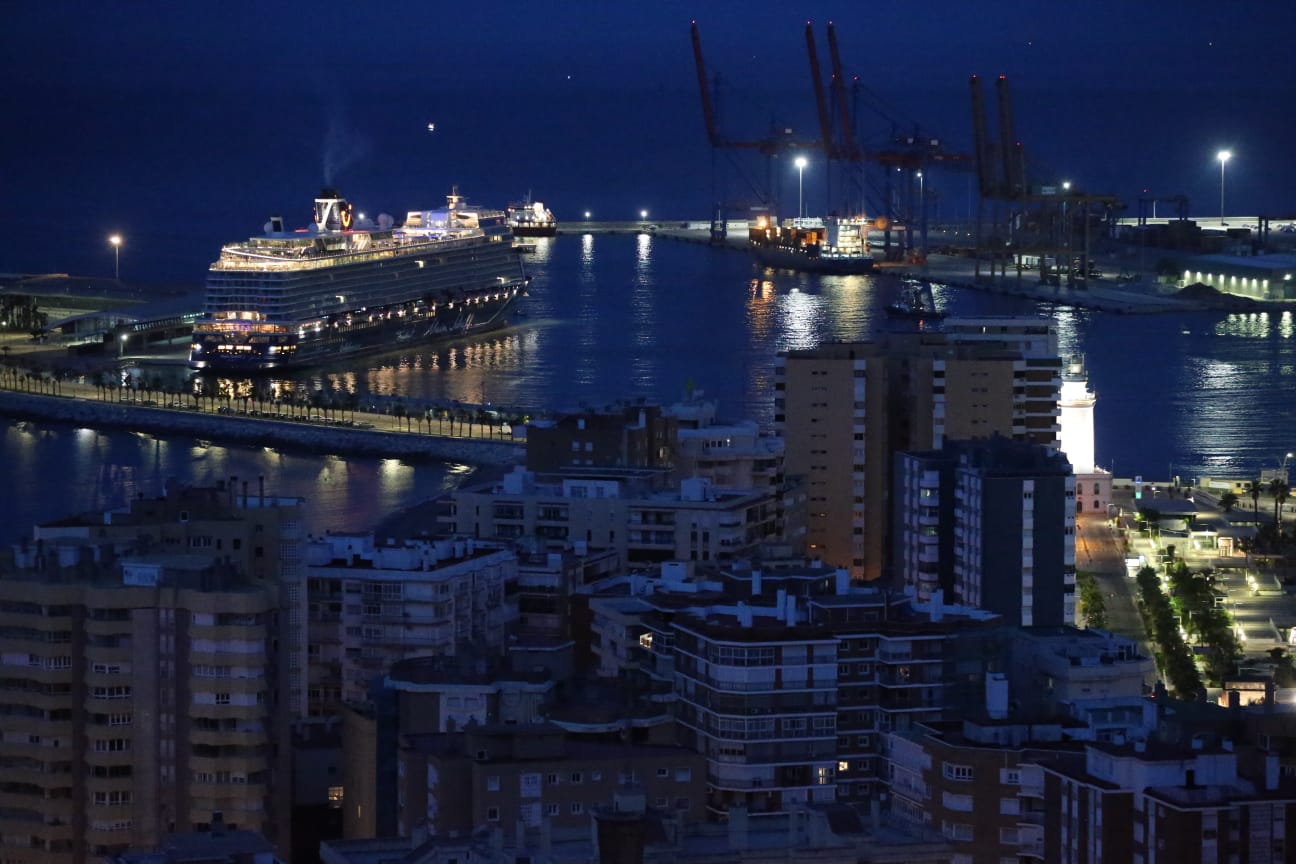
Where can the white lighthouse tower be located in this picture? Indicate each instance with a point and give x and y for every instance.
(1076, 409)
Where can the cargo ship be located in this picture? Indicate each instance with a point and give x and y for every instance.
(531, 219)
(830, 245)
(344, 286)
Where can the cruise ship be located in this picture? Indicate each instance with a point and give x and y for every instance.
(343, 286)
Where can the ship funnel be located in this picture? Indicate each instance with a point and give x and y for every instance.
(332, 212)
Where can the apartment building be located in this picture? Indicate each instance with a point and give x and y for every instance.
(759, 700)
(428, 695)
(979, 782)
(374, 604)
(844, 410)
(900, 664)
(1093, 676)
(261, 534)
(1149, 802)
(624, 510)
(142, 693)
(622, 436)
(897, 663)
(991, 523)
(686, 437)
(537, 775)
(547, 581)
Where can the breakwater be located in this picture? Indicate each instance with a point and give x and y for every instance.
(257, 431)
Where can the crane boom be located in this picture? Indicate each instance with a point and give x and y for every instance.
(825, 123)
(708, 113)
(1011, 153)
(839, 90)
(984, 166)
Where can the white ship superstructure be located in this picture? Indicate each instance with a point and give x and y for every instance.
(344, 285)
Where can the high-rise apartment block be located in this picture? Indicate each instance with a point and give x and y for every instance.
(140, 696)
(845, 409)
(374, 604)
(991, 523)
(1149, 802)
(625, 510)
(788, 689)
(152, 659)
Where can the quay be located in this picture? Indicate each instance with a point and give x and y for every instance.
(1140, 294)
(364, 434)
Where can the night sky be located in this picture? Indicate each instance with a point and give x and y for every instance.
(186, 125)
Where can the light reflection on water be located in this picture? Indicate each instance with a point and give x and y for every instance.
(615, 317)
(66, 471)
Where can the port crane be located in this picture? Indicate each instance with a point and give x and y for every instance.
(904, 156)
(779, 140)
(1029, 222)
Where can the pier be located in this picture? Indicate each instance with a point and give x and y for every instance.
(359, 433)
(1140, 295)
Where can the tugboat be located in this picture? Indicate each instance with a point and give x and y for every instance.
(916, 304)
(531, 219)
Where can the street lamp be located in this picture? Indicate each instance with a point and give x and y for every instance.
(116, 242)
(1223, 156)
(800, 165)
(643, 214)
(587, 215)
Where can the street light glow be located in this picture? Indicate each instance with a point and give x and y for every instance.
(587, 215)
(800, 166)
(116, 241)
(643, 214)
(1223, 156)
(1066, 185)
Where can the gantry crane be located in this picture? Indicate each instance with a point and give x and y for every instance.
(1028, 222)
(905, 155)
(779, 140)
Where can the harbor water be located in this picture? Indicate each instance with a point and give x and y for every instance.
(621, 317)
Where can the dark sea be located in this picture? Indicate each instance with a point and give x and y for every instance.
(626, 317)
(608, 317)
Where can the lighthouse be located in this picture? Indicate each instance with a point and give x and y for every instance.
(1076, 418)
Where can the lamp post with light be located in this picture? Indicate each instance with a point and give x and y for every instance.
(1223, 156)
(116, 242)
(800, 166)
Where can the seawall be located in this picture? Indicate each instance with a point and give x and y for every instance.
(258, 432)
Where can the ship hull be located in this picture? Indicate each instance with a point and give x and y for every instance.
(550, 230)
(342, 340)
(790, 259)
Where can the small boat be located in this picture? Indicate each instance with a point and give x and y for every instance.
(916, 305)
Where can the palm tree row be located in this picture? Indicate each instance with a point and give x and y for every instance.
(1162, 625)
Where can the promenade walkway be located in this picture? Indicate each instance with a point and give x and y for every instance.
(458, 435)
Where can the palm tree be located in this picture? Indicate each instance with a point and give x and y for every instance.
(1254, 489)
(1280, 492)
(1228, 501)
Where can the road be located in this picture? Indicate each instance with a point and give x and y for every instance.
(1098, 551)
